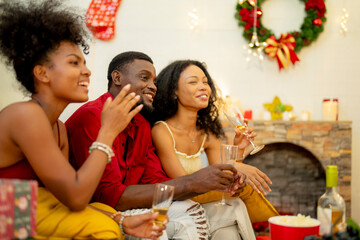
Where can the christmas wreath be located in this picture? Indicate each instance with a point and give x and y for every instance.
(285, 48)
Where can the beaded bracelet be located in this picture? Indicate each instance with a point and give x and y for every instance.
(120, 221)
(121, 224)
(102, 147)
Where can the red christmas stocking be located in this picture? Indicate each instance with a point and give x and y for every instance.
(100, 18)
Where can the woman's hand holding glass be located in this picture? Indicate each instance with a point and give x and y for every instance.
(242, 141)
(235, 117)
(142, 226)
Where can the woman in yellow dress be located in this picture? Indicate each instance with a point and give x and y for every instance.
(41, 41)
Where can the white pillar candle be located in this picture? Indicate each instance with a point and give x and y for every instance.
(329, 110)
(305, 116)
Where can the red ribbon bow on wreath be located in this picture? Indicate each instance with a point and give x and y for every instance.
(248, 17)
(282, 49)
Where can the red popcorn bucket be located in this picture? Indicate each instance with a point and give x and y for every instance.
(292, 227)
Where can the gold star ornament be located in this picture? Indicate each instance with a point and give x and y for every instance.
(276, 108)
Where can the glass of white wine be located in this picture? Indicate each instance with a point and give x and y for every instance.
(228, 155)
(235, 117)
(163, 196)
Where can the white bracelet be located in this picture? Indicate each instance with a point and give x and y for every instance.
(120, 221)
(121, 226)
(102, 147)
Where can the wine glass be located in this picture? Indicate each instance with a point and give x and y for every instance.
(228, 154)
(163, 196)
(235, 117)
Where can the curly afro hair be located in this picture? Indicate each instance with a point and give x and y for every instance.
(30, 31)
(165, 102)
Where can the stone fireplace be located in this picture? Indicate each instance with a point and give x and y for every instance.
(295, 158)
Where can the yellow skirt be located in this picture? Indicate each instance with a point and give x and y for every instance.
(259, 208)
(56, 221)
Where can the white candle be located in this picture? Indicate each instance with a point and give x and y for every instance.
(267, 115)
(305, 116)
(329, 110)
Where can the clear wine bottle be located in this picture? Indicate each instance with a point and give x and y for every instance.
(331, 206)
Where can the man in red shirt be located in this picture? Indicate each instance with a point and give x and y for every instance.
(128, 180)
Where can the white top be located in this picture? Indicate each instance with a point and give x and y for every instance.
(190, 163)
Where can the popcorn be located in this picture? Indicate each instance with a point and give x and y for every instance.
(296, 221)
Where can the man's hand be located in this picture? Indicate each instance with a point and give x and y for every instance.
(213, 177)
(238, 186)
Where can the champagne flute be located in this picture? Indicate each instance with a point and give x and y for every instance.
(163, 196)
(228, 154)
(236, 118)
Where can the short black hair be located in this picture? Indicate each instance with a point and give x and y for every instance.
(30, 31)
(165, 102)
(120, 61)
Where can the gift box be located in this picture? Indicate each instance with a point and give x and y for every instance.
(18, 204)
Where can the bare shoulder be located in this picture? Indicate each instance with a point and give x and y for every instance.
(159, 129)
(161, 135)
(211, 141)
(22, 109)
(24, 119)
(19, 122)
(22, 113)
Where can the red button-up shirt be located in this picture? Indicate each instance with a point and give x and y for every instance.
(139, 165)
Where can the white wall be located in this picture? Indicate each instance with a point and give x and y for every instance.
(330, 67)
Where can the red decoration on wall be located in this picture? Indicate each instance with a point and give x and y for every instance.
(317, 22)
(282, 49)
(248, 114)
(248, 17)
(100, 18)
(318, 5)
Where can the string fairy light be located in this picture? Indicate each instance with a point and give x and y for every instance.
(255, 46)
(254, 39)
(344, 18)
(194, 19)
(344, 21)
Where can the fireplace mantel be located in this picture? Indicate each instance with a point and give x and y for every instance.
(329, 142)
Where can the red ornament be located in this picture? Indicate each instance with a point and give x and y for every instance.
(248, 114)
(317, 5)
(248, 17)
(317, 22)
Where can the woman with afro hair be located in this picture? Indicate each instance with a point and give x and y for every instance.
(41, 41)
(186, 124)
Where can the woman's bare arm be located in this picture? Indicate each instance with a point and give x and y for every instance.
(164, 145)
(212, 149)
(31, 131)
(255, 178)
